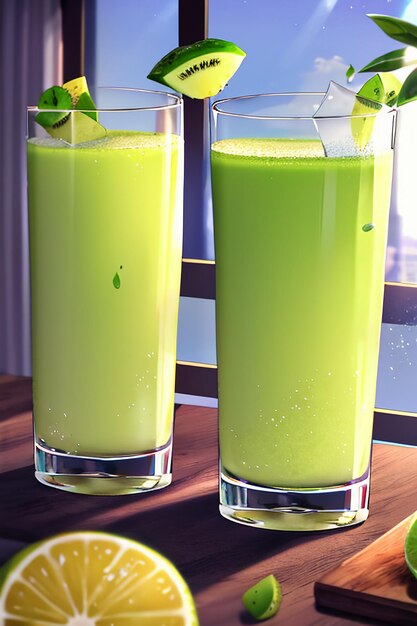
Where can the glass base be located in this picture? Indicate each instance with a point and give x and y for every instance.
(105, 476)
(294, 509)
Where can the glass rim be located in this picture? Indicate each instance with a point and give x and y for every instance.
(216, 109)
(177, 102)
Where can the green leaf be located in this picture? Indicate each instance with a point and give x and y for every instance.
(388, 62)
(408, 91)
(396, 29)
(350, 73)
(116, 281)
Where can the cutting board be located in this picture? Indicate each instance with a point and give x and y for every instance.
(375, 582)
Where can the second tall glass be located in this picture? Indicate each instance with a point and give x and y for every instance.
(105, 222)
(300, 235)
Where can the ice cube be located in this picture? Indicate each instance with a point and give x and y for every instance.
(345, 122)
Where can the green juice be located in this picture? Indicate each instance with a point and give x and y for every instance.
(105, 243)
(300, 247)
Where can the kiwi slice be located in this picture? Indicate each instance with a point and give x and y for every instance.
(85, 104)
(77, 128)
(54, 98)
(76, 87)
(81, 98)
(200, 70)
(263, 600)
(72, 126)
(381, 89)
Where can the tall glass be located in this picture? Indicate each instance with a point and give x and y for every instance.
(300, 237)
(105, 222)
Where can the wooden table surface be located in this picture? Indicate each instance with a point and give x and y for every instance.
(219, 559)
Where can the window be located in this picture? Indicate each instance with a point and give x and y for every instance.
(291, 45)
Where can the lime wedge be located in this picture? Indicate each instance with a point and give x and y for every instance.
(263, 599)
(200, 70)
(93, 579)
(410, 547)
(380, 89)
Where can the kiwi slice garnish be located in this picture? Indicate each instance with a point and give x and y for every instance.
(200, 70)
(378, 90)
(81, 98)
(76, 119)
(54, 98)
(85, 103)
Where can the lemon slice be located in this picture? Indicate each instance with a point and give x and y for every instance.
(200, 70)
(93, 579)
(263, 600)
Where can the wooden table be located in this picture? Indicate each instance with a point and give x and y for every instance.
(219, 559)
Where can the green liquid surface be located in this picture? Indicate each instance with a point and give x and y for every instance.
(105, 248)
(300, 247)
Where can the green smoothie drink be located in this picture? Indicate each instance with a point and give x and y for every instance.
(297, 399)
(106, 242)
(300, 245)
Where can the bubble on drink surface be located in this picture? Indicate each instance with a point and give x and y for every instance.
(345, 122)
(269, 148)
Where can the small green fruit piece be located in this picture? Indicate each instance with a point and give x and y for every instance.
(85, 103)
(367, 227)
(383, 88)
(53, 98)
(263, 600)
(78, 128)
(380, 89)
(81, 98)
(116, 281)
(410, 547)
(76, 87)
(71, 126)
(200, 70)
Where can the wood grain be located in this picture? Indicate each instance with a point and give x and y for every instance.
(15, 395)
(375, 582)
(219, 559)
